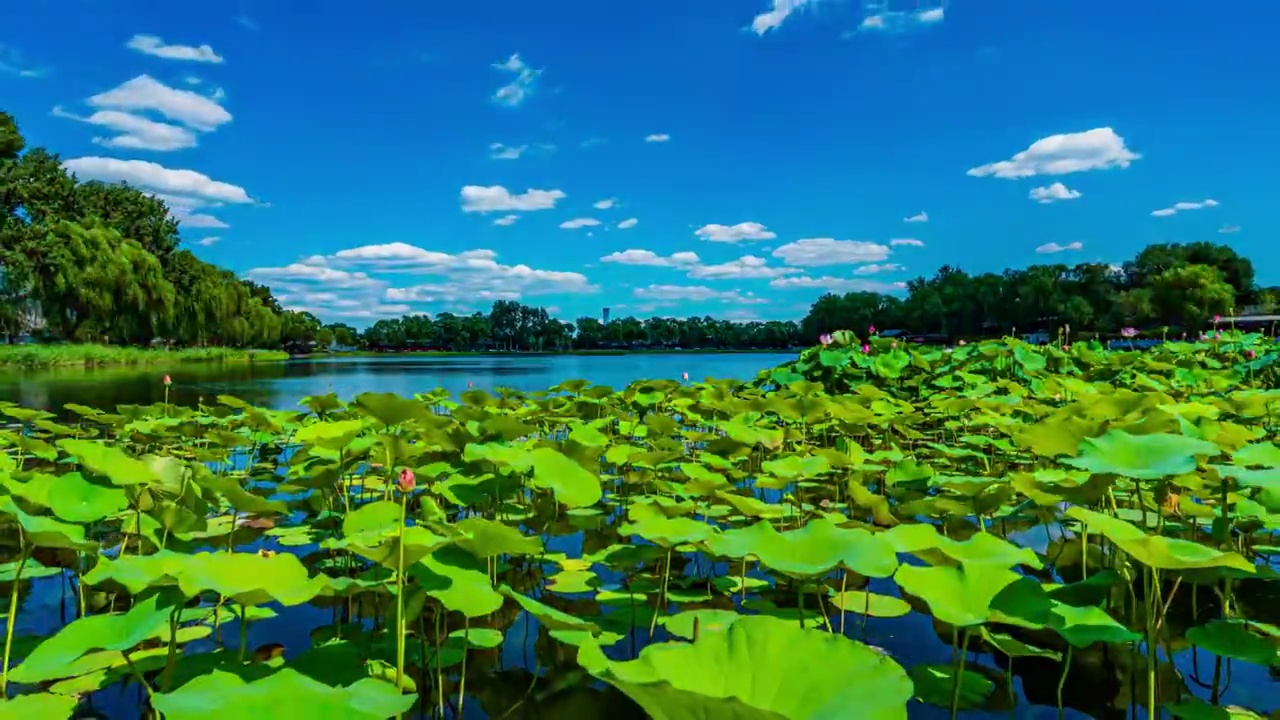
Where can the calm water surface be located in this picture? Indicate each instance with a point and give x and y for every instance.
(911, 640)
(282, 385)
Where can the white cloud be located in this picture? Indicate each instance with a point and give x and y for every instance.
(521, 87)
(628, 223)
(343, 284)
(152, 176)
(1228, 229)
(747, 267)
(651, 259)
(183, 209)
(912, 242)
(206, 242)
(835, 284)
(604, 204)
(498, 151)
(657, 138)
(735, 233)
(145, 93)
(813, 252)
(134, 132)
(13, 63)
(1179, 207)
(506, 220)
(776, 15)
(1050, 248)
(1097, 149)
(920, 217)
(154, 46)
(890, 21)
(576, 223)
(877, 268)
(1053, 193)
(696, 293)
(496, 198)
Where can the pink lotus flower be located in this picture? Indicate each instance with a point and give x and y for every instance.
(825, 339)
(1128, 332)
(167, 380)
(407, 480)
(1217, 336)
(684, 376)
(866, 348)
(468, 383)
(871, 329)
(1217, 319)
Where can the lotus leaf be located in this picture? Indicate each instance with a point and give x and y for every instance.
(286, 693)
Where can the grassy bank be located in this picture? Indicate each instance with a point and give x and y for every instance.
(50, 356)
(474, 353)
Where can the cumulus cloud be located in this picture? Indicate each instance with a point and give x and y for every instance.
(628, 223)
(1053, 247)
(747, 267)
(498, 151)
(696, 293)
(134, 132)
(153, 176)
(604, 204)
(154, 46)
(521, 86)
(496, 198)
(813, 252)
(208, 241)
(1053, 193)
(910, 242)
(919, 217)
(1097, 149)
(651, 259)
(835, 284)
(576, 223)
(735, 233)
(506, 220)
(144, 93)
(1183, 206)
(657, 138)
(448, 281)
(185, 210)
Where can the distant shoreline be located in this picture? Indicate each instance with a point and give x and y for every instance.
(32, 356)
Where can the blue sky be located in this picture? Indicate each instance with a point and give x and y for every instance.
(733, 157)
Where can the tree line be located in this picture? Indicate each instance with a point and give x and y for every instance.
(97, 262)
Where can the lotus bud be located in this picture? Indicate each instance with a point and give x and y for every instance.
(871, 329)
(407, 480)
(962, 343)
(168, 380)
(1250, 353)
(684, 376)
(866, 348)
(825, 340)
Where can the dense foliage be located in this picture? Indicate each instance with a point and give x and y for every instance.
(1072, 518)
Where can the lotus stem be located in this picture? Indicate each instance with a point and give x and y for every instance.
(400, 629)
(1062, 679)
(12, 619)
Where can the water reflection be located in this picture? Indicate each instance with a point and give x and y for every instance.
(282, 385)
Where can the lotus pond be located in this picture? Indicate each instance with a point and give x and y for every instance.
(1086, 532)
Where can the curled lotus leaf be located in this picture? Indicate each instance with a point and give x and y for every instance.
(110, 462)
(758, 667)
(815, 549)
(1157, 551)
(221, 694)
(249, 578)
(44, 531)
(918, 538)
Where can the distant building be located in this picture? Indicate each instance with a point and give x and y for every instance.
(605, 316)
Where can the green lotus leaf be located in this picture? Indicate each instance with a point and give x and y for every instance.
(983, 547)
(248, 578)
(1083, 626)
(110, 462)
(758, 667)
(38, 706)
(221, 694)
(486, 538)
(1142, 457)
(456, 579)
(45, 531)
(332, 435)
(391, 409)
(1157, 551)
(813, 550)
(870, 604)
(572, 485)
(1237, 639)
(54, 657)
(71, 497)
(958, 595)
(1194, 708)
(935, 684)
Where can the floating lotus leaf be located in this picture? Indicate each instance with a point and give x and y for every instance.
(758, 667)
(812, 550)
(222, 694)
(1238, 639)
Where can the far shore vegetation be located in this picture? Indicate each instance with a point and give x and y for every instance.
(35, 356)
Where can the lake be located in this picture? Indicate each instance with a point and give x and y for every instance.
(282, 385)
